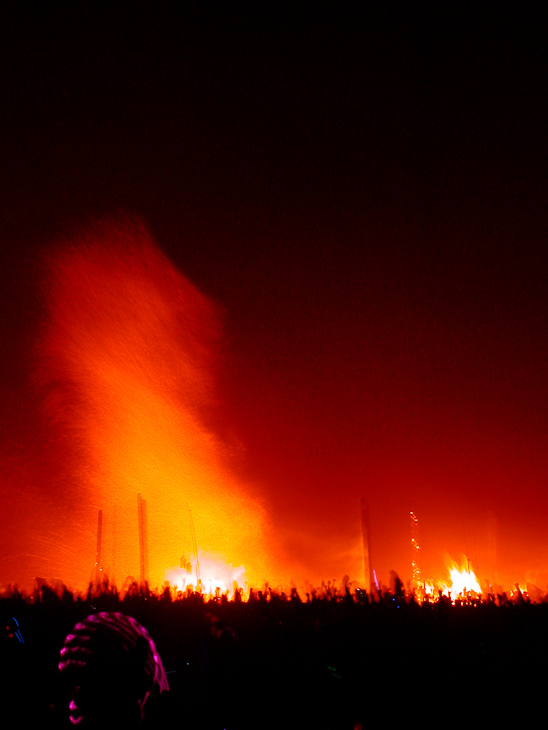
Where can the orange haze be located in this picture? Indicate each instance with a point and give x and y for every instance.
(126, 361)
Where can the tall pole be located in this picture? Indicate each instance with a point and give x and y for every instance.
(415, 547)
(141, 515)
(98, 568)
(366, 537)
(195, 550)
(114, 526)
(145, 537)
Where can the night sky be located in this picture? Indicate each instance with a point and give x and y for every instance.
(363, 196)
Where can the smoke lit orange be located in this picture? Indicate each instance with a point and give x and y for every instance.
(125, 361)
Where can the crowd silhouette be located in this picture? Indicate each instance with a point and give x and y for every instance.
(331, 658)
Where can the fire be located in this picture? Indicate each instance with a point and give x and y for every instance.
(463, 581)
(125, 371)
(215, 576)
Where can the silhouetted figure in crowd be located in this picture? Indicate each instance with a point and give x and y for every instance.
(220, 667)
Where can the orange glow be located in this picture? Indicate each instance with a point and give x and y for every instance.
(461, 583)
(463, 580)
(215, 577)
(126, 360)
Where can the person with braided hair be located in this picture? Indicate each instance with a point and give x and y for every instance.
(114, 671)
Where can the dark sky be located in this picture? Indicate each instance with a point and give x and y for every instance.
(363, 193)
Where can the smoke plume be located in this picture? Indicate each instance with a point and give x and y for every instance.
(125, 375)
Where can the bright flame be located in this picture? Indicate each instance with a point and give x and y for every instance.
(462, 583)
(215, 577)
(462, 580)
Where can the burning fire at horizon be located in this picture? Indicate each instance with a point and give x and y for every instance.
(461, 582)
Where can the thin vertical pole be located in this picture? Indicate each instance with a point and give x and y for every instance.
(114, 528)
(366, 537)
(415, 547)
(145, 538)
(141, 540)
(98, 567)
(195, 550)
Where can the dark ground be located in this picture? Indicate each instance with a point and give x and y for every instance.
(284, 663)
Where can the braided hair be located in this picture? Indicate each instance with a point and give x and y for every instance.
(113, 669)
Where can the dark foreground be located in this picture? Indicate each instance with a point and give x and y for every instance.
(332, 662)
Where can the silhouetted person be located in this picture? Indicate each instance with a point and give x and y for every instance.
(114, 671)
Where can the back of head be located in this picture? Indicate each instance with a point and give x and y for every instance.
(113, 669)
